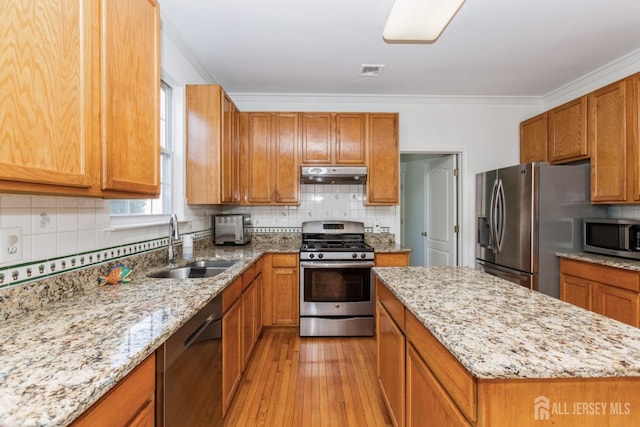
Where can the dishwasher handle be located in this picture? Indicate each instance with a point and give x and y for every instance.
(199, 331)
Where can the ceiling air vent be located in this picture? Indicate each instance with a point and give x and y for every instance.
(370, 70)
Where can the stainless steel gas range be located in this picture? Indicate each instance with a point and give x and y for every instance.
(336, 285)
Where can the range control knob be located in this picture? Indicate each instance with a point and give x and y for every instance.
(312, 256)
(354, 255)
(363, 255)
(320, 255)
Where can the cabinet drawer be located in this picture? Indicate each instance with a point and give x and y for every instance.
(248, 276)
(392, 260)
(231, 294)
(391, 303)
(127, 401)
(284, 260)
(625, 279)
(455, 379)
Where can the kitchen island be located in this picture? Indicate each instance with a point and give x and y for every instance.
(523, 357)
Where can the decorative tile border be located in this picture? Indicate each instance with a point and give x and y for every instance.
(29, 272)
(275, 229)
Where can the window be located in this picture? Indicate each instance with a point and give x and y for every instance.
(161, 205)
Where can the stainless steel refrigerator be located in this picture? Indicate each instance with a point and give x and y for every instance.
(525, 214)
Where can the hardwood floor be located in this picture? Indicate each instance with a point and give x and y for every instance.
(293, 381)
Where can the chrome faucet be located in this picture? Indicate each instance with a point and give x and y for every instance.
(174, 235)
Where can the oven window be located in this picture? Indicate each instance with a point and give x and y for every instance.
(337, 284)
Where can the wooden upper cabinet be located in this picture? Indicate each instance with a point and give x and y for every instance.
(212, 164)
(285, 149)
(533, 139)
(568, 132)
(230, 153)
(609, 143)
(257, 185)
(350, 145)
(383, 159)
(80, 84)
(333, 139)
(46, 91)
(270, 170)
(130, 107)
(317, 139)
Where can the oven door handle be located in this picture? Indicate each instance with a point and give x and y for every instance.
(314, 264)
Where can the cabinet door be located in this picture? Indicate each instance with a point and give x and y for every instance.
(230, 153)
(575, 291)
(428, 404)
(633, 133)
(257, 182)
(390, 345)
(568, 131)
(533, 139)
(248, 322)
(258, 311)
(285, 149)
(203, 160)
(231, 353)
(130, 403)
(46, 92)
(383, 181)
(284, 286)
(619, 304)
(350, 144)
(608, 142)
(317, 139)
(130, 110)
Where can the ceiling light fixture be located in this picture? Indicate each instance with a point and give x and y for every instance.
(419, 20)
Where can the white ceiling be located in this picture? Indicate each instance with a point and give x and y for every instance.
(491, 48)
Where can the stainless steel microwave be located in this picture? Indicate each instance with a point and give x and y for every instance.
(617, 237)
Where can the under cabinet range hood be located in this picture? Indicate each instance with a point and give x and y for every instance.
(333, 175)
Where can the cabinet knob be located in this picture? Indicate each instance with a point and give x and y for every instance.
(424, 233)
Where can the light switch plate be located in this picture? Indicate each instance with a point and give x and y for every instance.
(11, 244)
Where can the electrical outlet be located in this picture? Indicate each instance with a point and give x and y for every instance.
(11, 244)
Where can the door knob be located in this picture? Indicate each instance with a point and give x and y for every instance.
(424, 233)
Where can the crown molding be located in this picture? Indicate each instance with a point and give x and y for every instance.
(609, 73)
(337, 98)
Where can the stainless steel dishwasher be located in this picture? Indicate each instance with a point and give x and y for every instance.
(189, 382)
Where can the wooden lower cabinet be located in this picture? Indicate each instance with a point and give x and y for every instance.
(392, 259)
(390, 345)
(428, 403)
(130, 403)
(281, 292)
(231, 353)
(610, 291)
(576, 291)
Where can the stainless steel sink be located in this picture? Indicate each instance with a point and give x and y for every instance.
(188, 272)
(212, 264)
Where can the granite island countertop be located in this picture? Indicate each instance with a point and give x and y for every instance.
(500, 330)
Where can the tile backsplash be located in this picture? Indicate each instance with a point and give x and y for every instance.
(321, 202)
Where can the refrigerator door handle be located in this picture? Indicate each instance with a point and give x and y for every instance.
(492, 217)
(500, 215)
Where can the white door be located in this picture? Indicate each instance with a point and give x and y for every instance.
(440, 237)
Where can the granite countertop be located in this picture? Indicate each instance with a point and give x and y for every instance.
(498, 330)
(58, 360)
(610, 261)
(390, 248)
